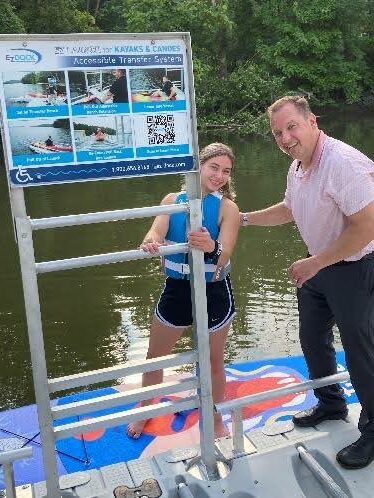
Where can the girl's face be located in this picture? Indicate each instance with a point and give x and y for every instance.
(215, 173)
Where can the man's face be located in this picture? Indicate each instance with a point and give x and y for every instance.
(117, 73)
(295, 134)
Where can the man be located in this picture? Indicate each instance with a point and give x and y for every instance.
(51, 91)
(118, 89)
(49, 141)
(168, 90)
(330, 197)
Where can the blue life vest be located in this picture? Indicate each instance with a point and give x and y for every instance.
(176, 265)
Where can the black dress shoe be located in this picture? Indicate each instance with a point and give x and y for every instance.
(358, 454)
(316, 415)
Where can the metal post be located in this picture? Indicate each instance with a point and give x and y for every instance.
(39, 367)
(198, 296)
(9, 480)
(237, 430)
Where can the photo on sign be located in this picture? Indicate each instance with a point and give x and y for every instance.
(34, 89)
(153, 85)
(99, 86)
(102, 132)
(42, 136)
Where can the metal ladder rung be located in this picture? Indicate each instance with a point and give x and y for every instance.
(113, 373)
(105, 216)
(113, 420)
(131, 396)
(109, 258)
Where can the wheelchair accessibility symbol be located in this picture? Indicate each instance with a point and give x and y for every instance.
(22, 176)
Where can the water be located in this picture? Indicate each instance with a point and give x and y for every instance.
(16, 90)
(98, 317)
(22, 137)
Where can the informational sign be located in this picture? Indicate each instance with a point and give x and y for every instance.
(78, 109)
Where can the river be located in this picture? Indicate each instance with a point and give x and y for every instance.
(98, 317)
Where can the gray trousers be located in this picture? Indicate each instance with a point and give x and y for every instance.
(343, 294)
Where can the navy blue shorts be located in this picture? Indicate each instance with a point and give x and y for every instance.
(174, 308)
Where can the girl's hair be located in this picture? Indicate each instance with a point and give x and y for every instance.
(216, 150)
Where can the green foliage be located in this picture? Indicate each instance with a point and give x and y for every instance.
(10, 22)
(57, 16)
(313, 46)
(89, 130)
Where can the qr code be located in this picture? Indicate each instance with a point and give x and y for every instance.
(161, 129)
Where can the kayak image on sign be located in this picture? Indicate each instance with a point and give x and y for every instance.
(157, 89)
(39, 142)
(102, 138)
(35, 94)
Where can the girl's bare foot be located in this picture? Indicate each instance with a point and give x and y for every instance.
(220, 430)
(135, 429)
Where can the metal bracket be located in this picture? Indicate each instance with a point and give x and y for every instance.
(149, 489)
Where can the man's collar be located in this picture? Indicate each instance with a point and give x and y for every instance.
(318, 150)
(316, 157)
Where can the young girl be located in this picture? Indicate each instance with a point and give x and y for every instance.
(217, 240)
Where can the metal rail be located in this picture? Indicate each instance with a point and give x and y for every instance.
(118, 399)
(126, 417)
(235, 405)
(6, 460)
(112, 373)
(105, 259)
(105, 216)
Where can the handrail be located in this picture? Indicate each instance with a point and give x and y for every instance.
(122, 398)
(6, 460)
(235, 405)
(229, 405)
(125, 417)
(109, 258)
(111, 373)
(105, 216)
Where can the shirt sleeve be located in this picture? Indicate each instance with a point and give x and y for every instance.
(351, 185)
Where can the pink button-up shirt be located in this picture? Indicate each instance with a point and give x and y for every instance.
(338, 183)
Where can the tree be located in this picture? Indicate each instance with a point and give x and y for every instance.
(312, 45)
(59, 16)
(10, 22)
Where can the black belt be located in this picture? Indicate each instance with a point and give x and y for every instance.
(345, 263)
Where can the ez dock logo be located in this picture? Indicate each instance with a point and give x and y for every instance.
(20, 55)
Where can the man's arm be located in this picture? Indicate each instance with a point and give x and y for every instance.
(358, 233)
(278, 214)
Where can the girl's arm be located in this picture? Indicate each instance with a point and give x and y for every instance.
(155, 236)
